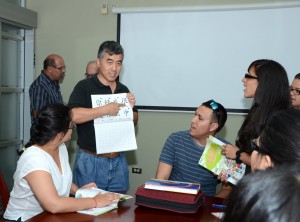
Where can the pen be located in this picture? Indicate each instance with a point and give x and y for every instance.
(219, 206)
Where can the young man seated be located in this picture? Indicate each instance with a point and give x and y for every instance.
(181, 153)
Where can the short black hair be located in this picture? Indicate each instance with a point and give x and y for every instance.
(297, 76)
(219, 113)
(51, 120)
(110, 47)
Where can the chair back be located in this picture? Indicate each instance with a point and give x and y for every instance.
(4, 193)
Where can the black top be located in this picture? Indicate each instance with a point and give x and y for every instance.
(81, 97)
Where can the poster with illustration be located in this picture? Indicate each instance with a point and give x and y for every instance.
(114, 133)
(213, 160)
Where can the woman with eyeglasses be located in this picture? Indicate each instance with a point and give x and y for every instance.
(275, 162)
(279, 141)
(267, 83)
(43, 178)
(295, 91)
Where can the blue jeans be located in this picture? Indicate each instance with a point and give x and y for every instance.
(109, 174)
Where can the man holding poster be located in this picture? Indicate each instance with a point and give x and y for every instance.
(108, 170)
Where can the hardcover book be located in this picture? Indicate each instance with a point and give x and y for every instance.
(171, 201)
(174, 186)
(213, 160)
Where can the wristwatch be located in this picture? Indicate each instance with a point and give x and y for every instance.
(237, 158)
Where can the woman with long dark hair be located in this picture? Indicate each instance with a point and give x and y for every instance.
(43, 178)
(270, 195)
(266, 82)
(279, 141)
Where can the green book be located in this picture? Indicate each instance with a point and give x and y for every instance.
(213, 160)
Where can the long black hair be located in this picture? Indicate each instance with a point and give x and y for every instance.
(219, 114)
(280, 139)
(272, 94)
(271, 196)
(51, 120)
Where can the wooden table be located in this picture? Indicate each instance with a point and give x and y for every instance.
(129, 212)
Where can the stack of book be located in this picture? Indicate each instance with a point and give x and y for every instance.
(173, 186)
(179, 197)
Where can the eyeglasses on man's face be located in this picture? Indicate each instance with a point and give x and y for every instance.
(248, 76)
(62, 68)
(72, 126)
(295, 91)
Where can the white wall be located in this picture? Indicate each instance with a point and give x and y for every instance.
(74, 29)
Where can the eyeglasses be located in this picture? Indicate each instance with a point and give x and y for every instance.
(87, 75)
(248, 76)
(73, 126)
(255, 147)
(295, 91)
(214, 106)
(62, 69)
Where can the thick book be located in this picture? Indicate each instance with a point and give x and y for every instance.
(173, 186)
(171, 201)
(84, 193)
(213, 160)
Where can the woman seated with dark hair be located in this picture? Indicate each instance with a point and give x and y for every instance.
(279, 141)
(271, 195)
(43, 178)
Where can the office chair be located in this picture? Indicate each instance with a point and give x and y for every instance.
(4, 193)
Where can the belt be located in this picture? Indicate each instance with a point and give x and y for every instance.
(107, 155)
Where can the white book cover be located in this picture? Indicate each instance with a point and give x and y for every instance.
(173, 186)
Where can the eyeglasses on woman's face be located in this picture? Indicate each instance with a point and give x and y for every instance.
(295, 91)
(248, 76)
(256, 147)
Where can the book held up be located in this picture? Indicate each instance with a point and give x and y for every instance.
(173, 186)
(213, 160)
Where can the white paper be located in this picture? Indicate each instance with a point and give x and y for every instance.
(114, 133)
(219, 215)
